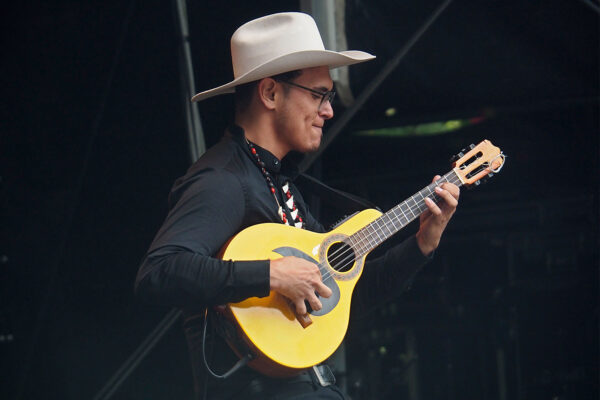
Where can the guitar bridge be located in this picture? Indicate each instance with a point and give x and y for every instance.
(304, 320)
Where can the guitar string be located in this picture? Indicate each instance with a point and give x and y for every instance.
(370, 238)
(335, 256)
(374, 237)
(393, 217)
(350, 250)
(348, 253)
(454, 178)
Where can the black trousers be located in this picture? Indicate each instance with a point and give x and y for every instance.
(297, 389)
(302, 387)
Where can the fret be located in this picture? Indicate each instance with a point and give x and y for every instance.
(396, 220)
(361, 235)
(354, 240)
(359, 243)
(377, 221)
(404, 220)
(431, 190)
(410, 206)
(403, 204)
(398, 224)
(387, 224)
(373, 230)
(422, 204)
(379, 230)
(363, 238)
(359, 246)
(370, 230)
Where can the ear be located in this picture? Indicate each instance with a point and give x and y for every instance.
(267, 89)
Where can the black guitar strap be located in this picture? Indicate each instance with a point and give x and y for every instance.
(347, 202)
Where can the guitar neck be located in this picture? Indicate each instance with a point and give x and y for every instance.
(378, 231)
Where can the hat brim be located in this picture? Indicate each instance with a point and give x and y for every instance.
(290, 62)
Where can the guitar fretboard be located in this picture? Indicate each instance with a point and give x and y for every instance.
(378, 231)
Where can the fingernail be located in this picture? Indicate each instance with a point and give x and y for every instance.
(438, 189)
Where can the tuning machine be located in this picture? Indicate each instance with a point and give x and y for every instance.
(475, 184)
(484, 179)
(481, 180)
(461, 154)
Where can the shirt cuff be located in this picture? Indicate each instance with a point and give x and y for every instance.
(253, 277)
(412, 252)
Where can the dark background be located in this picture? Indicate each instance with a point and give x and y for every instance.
(93, 136)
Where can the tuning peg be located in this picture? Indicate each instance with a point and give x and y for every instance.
(473, 185)
(457, 157)
(462, 153)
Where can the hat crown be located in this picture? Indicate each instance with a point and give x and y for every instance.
(270, 37)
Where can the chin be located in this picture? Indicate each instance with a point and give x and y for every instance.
(310, 147)
(314, 146)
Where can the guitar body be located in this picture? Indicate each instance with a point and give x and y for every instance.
(283, 343)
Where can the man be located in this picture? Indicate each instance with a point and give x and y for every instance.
(283, 98)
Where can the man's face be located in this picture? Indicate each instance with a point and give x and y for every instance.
(299, 119)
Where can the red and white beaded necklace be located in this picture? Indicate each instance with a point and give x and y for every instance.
(295, 220)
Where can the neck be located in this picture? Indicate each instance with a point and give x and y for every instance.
(262, 133)
(380, 229)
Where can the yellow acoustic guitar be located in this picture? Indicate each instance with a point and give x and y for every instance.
(283, 343)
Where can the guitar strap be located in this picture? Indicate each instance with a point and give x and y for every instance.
(347, 202)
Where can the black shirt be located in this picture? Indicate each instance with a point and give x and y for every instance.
(220, 195)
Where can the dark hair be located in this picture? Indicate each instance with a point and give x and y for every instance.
(243, 93)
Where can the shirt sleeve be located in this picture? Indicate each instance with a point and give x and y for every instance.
(387, 276)
(180, 268)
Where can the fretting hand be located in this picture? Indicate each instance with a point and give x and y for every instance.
(435, 219)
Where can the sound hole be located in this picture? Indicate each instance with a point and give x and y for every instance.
(340, 256)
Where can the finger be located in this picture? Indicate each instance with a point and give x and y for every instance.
(314, 302)
(436, 178)
(425, 213)
(300, 307)
(312, 267)
(323, 290)
(433, 208)
(447, 196)
(452, 188)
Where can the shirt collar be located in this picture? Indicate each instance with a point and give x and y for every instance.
(288, 166)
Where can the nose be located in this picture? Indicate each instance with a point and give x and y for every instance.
(326, 110)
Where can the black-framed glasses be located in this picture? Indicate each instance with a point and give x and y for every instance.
(325, 96)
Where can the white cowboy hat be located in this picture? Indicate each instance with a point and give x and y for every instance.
(279, 43)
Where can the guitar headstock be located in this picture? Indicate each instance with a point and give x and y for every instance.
(477, 162)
